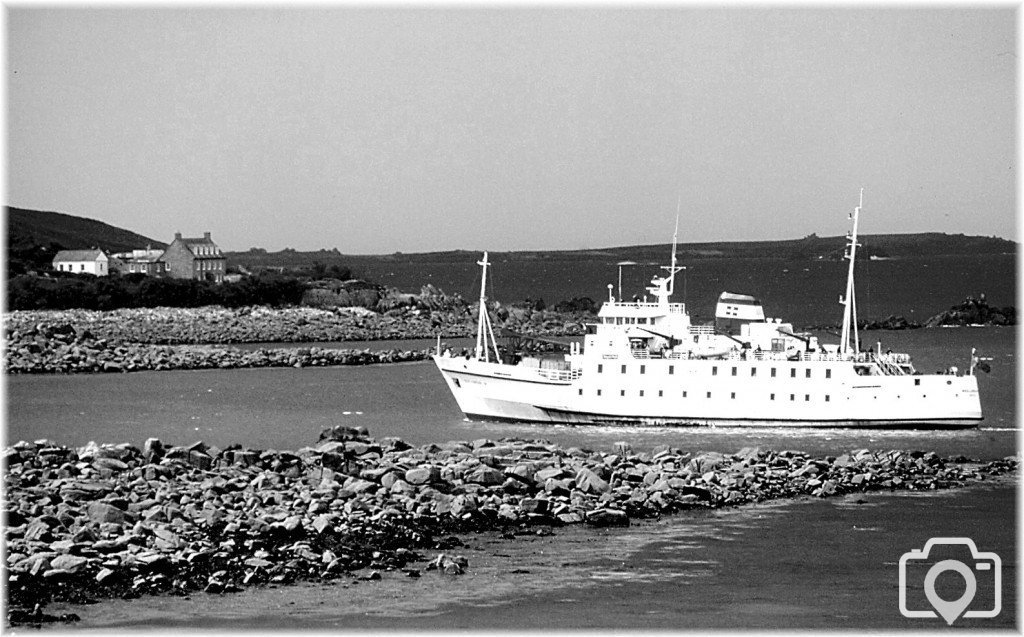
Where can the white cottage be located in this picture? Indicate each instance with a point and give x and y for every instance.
(82, 262)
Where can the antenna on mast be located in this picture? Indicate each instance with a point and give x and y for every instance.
(849, 334)
(672, 269)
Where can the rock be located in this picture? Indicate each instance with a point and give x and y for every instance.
(423, 475)
(607, 517)
(589, 482)
(100, 512)
(486, 476)
(69, 563)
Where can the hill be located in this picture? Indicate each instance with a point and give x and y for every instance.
(35, 236)
(932, 244)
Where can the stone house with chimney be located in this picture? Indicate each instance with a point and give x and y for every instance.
(194, 258)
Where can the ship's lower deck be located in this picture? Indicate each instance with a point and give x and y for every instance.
(719, 395)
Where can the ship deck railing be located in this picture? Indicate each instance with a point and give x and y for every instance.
(890, 363)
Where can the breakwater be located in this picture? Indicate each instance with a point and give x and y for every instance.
(46, 349)
(218, 325)
(120, 521)
(69, 341)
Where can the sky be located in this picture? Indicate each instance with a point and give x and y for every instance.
(376, 129)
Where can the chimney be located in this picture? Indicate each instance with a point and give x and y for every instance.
(177, 235)
(206, 235)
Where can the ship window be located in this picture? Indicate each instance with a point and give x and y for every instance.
(828, 373)
(773, 372)
(917, 381)
(807, 373)
(623, 369)
(733, 371)
(753, 371)
(641, 393)
(714, 370)
(643, 369)
(792, 373)
(671, 369)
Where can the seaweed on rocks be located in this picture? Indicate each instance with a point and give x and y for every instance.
(113, 520)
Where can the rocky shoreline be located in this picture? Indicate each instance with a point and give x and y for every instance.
(107, 521)
(60, 349)
(257, 324)
(87, 341)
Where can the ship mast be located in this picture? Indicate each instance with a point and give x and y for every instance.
(661, 291)
(483, 327)
(849, 336)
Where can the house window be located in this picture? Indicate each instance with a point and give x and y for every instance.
(826, 397)
(792, 397)
(581, 392)
(684, 394)
(660, 393)
(772, 397)
(792, 373)
(773, 372)
(81, 267)
(807, 373)
(709, 394)
(622, 392)
(623, 369)
(599, 392)
(714, 370)
(641, 393)
(600, 368)
(733, 371)
(828, 373)
(643, 369)
(732, 395)
(807, 398)
(917, 381)
(671, 369)
(753, 371)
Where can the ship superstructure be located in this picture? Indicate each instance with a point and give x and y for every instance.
(645, 362)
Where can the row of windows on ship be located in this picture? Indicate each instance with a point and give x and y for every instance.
(732, 395)
(627, 320)
(714, 371)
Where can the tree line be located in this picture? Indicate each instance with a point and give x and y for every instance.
(61, 292)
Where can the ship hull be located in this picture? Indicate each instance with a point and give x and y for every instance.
(492, 392)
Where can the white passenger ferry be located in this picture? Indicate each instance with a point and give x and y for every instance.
(646, 363)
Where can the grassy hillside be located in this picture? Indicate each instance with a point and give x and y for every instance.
(35, 236)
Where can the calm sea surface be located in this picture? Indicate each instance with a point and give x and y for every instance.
(804, 563)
